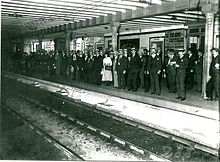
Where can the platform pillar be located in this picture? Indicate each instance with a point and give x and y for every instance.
(67, 43)
(40, 44)
(115, 27)
(209, 10)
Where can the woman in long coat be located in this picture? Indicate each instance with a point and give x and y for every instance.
(107, 73)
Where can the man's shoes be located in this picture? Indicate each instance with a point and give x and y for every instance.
(129, 89)
(178, 97)
(134, 90)
(207, 99)
(152, 92)
(182, 99)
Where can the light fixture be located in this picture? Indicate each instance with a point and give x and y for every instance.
(15, 15)
(126, 28)
(106, 27)
(173, 18)
(146, 1)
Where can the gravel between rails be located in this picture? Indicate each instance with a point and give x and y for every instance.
(85, 144)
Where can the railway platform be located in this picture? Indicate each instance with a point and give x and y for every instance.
(194, 103)
(184, 123)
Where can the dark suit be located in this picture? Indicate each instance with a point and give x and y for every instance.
(74, 64)
(190, 71)
(142, 70)
(199, 71)
(58, 64)
(147, 76)
(153, 66)
(64, 63)
(97, 77)
(171, 73)
(135, 65)
(121, 67)
(85, 69)
(81, 63)
(90, 66)
(181, 75)
(214, 73)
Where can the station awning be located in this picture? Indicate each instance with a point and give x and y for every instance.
(94, 16)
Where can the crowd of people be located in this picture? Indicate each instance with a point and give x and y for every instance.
(129, 69)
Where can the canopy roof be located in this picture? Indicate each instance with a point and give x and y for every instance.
(46, 16)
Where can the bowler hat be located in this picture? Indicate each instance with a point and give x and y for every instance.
(215, 49)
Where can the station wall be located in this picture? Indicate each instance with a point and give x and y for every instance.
(144, 38)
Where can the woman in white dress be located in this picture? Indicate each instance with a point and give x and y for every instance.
(107, 70)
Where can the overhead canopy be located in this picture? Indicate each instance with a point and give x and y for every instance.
(32, 16)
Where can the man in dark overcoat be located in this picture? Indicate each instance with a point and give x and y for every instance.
(199, 70)
(135, 65)
(121, 68)
(171, 71)
(190, 71)
(154, 66)
(181, 66)
(214, 73)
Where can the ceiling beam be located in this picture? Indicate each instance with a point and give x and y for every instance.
(57, 5)
(44, 8)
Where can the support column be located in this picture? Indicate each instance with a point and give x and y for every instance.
(40, 44)
(115, 26)
(22, 45)
(209, 11)
(67, 43)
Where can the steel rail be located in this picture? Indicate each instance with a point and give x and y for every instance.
(41, 132)
(99, 132)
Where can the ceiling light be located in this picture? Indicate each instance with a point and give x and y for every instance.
(15, 15)
(173, 18)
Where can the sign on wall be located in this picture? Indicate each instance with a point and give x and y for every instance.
(174, 39)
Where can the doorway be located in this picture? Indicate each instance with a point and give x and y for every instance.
(158, 43)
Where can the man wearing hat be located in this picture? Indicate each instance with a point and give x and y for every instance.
(171, 71)
(214, 73)
(181, 66)
(121, 68)
(190, 69)
(142, 70)
(199, 70)
(154, 67)
(135, 65)
(97, 68)
(125, 51)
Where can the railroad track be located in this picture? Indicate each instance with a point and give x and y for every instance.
(167, 155)
(189, 145)
(97, 131)
(70, 153)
